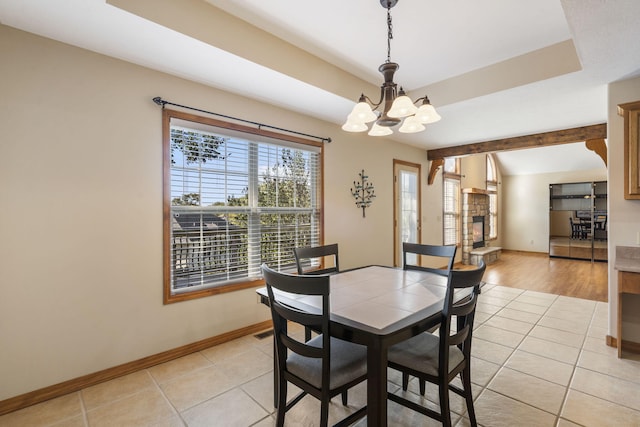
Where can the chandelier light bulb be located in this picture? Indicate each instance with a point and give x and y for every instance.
(426, 113)
(377, 130)
(402, 106)
(362, 113)
(411, 125)
(352, 126)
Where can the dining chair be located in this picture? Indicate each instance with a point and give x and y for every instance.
(322, 367)
(304, 255)
(440, 358)
(576, 229)
(446, 252)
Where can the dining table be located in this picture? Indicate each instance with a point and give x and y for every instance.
(378, 306)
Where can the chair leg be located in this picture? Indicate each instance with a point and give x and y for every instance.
(307, 334)
(445, 410)
(324, 413)
(465, 376)
(344, 398)
(405, 381)
(282, 401)
(423, 387)
(276, 381)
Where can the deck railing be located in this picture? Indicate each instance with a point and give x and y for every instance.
(207, 257)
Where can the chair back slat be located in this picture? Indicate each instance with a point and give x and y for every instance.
(304, 255)
(462, 311)
(286, 341)
(446, 252)
(464, 307)
(293, 284)
(291, 314)
(300, 348)
(459, 337)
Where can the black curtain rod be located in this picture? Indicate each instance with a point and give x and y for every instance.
(158, 100)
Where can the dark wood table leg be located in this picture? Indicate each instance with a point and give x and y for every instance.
(376, 385)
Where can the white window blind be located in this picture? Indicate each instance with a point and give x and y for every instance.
(492, 188)
(237, 201)
(493, 210)
(451, 214)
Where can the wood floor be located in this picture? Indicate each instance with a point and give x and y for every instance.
(539, 272)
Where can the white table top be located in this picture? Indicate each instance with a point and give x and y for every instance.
(377, 297)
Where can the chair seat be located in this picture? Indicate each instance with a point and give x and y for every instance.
(348, 362)
(420, 353)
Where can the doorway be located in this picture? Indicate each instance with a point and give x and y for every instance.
(406, 207)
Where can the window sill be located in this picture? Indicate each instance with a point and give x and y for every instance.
(186, 296)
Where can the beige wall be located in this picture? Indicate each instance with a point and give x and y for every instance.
(474, 171)
(81, 217)
(526, 206)
(624, 217)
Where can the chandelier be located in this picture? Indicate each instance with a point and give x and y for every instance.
(396, 105)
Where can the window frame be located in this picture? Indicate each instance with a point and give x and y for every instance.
(169, 296)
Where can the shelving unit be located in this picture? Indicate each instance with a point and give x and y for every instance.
(585, 205)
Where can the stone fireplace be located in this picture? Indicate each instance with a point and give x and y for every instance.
(475, 204)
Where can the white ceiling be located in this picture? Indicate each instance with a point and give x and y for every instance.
(435, 42)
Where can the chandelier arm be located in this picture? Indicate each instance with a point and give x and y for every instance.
(381, 99)
(373, 105)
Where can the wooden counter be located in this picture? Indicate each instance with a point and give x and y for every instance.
(628, 266)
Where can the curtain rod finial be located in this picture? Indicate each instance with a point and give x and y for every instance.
(159, 101)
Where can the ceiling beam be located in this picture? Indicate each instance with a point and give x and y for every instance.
(565, 136)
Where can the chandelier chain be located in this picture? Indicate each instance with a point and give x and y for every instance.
(389, 32)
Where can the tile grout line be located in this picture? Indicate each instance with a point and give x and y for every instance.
(486, 387)
(574, 364)
(583, 350)
(511, 355)
(573, 372)
(85, 415)
(166, 398)
(269, 414)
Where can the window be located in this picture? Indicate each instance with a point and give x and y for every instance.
(492, 188)
(451, 202)
(235, 197)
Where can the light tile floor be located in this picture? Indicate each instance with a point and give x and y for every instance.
(538, 360)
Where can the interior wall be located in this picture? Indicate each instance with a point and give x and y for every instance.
(474, 171)
(81, 181)
(624, 215)
(369, 240)
(526, 207)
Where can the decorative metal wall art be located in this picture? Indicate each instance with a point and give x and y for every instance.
(363, 192)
